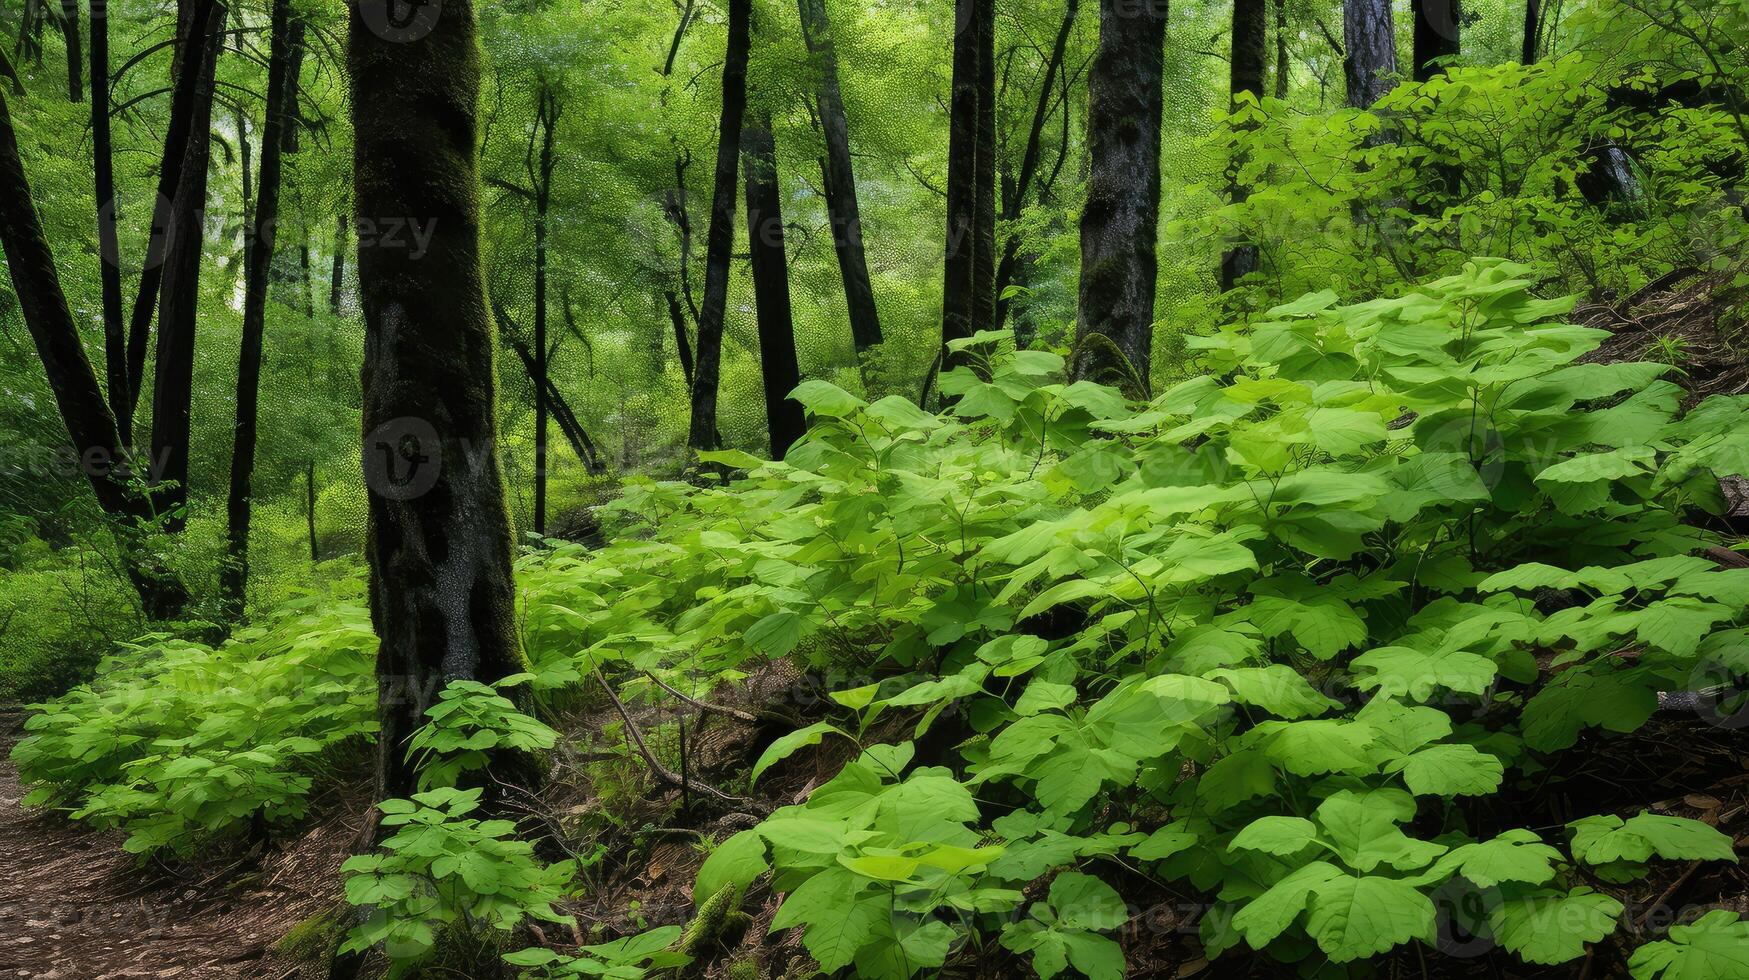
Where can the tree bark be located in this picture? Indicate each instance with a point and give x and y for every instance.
(1015, 202)
(777, 336)
(75, 58)
(720, 240)
(839, 178)
(440, 544)
(102, 455)
(543, 194)
(1437, 35)
(1282, 64)
(1533, 29)
(337, 271)
(959, 292)
(195, 22)
(115, 344)
(1119, 225)
(11, 73)
(984, 206)
(1249, 61)
(257, 256)
(682, 346)
(179, 292)
(1369, 37)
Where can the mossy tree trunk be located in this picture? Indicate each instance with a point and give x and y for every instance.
(777, 335)
(440, 542)
(984, 176)
(179, 290)
(839, 178)
(1249, 65)
(261, 234)
(1119, 225)
(720, 239)
(959, 305)
(1369, 41)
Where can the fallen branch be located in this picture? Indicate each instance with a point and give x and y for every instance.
(661, 771)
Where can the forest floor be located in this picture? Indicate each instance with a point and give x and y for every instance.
(78, 907)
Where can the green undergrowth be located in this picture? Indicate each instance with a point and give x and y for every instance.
(1279, 637)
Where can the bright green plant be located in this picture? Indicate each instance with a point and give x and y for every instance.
(443, 869)
(469, 722)
(632, 958)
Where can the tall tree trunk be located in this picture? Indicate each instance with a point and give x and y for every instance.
(1249, 61)
(337, 271)
(682, 346)
(103, 456)
(11, 73)
(293, 74)
(959, 292)
(1369, 40)
(720, 241)
(1282, 64)
(306, 281)
(1533, 29)
(196, 25)
(257, 256)
(30, 25)
(573, 430)
(839, 178)
(1015, 202)
(984, 205)
(1438, 26)
(777, 335)
(115, 343)
(440, 545)
(543, 195)
(179, 293)
(310, 510)
(75, 59)
(1119, 226)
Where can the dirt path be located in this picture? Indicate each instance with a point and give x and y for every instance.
(74, 905)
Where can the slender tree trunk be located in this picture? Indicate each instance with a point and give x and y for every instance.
(777, 335)
(1282, 65)
(293, 74)
(1249, 61)
(1438, 26)
(195, 22)
(75, 58)
(337, 272)
(29, 47)
(310, 509)
(720, 242)
(1015, 202)
(257, 256)
(959, 292)
(682, 346)
(440, 544)
(1369, 36)
(573, 430)
(1533, 28)
(984, 206)
(11, 73)
(543, 193)
(103, 456)
(115, 343)
(839, 178)
(306, 281)
(179, 292)
(1120, 224)
(245, 157)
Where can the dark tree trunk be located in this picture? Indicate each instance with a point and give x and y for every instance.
(720, 241)
(75, 58)
(777, 335)
(959, 293)
(440, 545)
(179, 292)
(257, 256)
(30, 24)
(293, 74)
(201, 20)
(1369, 40)
(1282, 65)
(563, 414)
(245, 154)
(682, 346)
(1015, 201)
(1249, 61)
(839, 178)
(1438, 26)
(1533, 29)
(543, 194)
(310, 510)
(337, 271)
(984, 206)
(102, 455)
(1119, 226)
(115, 343)
(11, 73)
(306, 281)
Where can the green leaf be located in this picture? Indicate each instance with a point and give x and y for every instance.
(787, 745)
(1269, 914)
(1714, 947)
(825, 399)
(735, 862)
(1548, 927)
(1082, 901)
(1277, 689)
(1353, 918)
(1452, 770)
(1418, 674)
(1276, 835)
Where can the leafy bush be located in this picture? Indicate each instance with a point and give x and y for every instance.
(470, 721)
(176, 741)
(443, 869)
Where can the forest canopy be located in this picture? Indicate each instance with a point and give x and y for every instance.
(752, 488)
